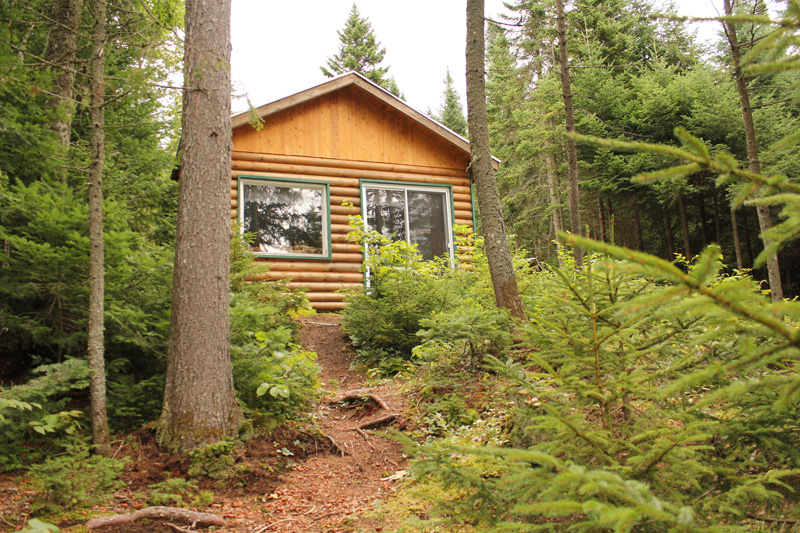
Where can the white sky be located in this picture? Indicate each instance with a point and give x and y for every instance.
(279, 46)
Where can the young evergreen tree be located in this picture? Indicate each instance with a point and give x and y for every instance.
(360, 51)
(451, 113)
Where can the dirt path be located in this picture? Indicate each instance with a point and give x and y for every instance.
(325, 492)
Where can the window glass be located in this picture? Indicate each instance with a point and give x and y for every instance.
(285, 218)
(416, 215)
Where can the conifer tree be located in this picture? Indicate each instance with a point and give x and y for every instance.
(451, 113)
(360, 51)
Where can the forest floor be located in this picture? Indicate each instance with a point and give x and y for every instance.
(297, 480)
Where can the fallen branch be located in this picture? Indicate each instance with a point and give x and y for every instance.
(173, 514)
(773, 519)
(378, 422)
(355, 395)
(178, 528)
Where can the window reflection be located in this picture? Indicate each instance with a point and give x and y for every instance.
(284, 219)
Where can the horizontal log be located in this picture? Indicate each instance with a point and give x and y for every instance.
(347, 257)
(295, 265)
(333, 181)
(465, 222)
(340, 219)
(325, 297)
(462, 197)
(341, 228)
(341, 237)
(459, 213)
(323, 286)
(339, 200)
(333, 172)
(350, 248)
(327, 277)
(351, 192)
(328, 306)
(340, 163)
(342, 210)
(462, 206)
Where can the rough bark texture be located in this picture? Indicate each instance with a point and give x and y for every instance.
(61, 54)
(95, 346)
(498, 253)
(199, 403)
(765, 223)
(174, 514)
(569, 119)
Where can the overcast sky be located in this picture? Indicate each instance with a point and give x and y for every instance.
(279, 46)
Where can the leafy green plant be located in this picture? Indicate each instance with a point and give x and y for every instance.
(74, 479)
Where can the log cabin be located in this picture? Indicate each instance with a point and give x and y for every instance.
(345, 147)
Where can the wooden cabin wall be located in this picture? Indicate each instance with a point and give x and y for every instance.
(323, 278)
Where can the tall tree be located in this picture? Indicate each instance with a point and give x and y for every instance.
(451, 113)
(569, 122)
(360, 51)
(61, 56)
(199, 402)
(95, 346)
(504, 280)
(773, 270)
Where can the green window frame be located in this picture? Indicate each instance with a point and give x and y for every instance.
(289, 218)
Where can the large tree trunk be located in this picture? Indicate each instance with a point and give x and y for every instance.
(773, 269)
(569, 113)
(95, 347)
(504, 280)
(199, 402)
(61, 49)
(602, 218)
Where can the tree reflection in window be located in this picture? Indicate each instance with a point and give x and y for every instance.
(418, 216)
(284, 218)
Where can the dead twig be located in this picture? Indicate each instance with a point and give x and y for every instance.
(773, 519)
(177, 528)
(335, 444)
(266, 527)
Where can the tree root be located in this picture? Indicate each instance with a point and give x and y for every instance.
(175, 514)
(378, 422)
(335, 444)
(354, 395)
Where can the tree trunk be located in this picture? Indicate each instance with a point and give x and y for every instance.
(773, 269)
(748, 242)
(737, 245)
(687, 249)
(717, 219)
(670, 236)
(555, 200)
(602, 219)
(497, 251)
(701, 207)
(95, 347)
(199, 402)
(61, 54)
(637, 225)
(569, 113)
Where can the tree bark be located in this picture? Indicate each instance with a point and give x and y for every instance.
(765, 223)
(637, 224)
(504, 280)
(61, 51)
(602, 218)
(670, 236)
(737, 245)
(95, 347)
(687, 249)
(569, 114)
(199, 402)
(555, 200)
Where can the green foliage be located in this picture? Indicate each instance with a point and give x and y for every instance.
(41, 424)
(74, 479)
(271, 373)
(212, 460)
(172, 492)
(37, 526)
(451, 114)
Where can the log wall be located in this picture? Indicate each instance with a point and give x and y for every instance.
(323, 278)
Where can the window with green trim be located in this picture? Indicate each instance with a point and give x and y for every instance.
(417, 214)
(285, 218)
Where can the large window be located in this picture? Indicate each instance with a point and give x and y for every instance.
(417, 214)
(286, 218)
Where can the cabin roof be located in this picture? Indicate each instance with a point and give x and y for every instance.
(355, 82)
